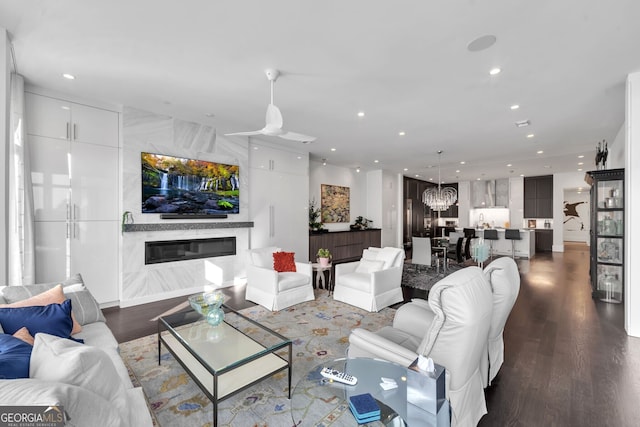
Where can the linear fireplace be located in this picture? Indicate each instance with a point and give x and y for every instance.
(181, 250)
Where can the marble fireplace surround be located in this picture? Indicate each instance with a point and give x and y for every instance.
(141, 283)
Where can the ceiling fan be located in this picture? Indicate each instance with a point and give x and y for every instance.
(273, 126)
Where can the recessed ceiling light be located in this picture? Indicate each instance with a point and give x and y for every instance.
(523, 123)
(401, 133)
(417, 176)
(495, 71)
(299, 157)
(539, 151)
(530, 135)
(481, 43)
(69, 76)
(547, 166)
(333, 149)
(358, 170)
(457, 170)
(515, 107)
(580, 163)
(406, 169)
(581, 156)
(462, 162)
(521, 174)
(360, 113)
(477, 179)
(508, 165)
(580, 170)
(430, 179)
(376, 161)
(255, 148)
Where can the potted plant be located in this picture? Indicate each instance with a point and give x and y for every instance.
(324, 256)
(315, 226)
(360, 223)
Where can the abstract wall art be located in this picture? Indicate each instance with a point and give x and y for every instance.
(334, 203)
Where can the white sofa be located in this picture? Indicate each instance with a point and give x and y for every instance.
(91, 381)
(372, 283)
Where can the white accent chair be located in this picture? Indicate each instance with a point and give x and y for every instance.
(273, 290)
(372, 283)
(452, 328)
(505, 283)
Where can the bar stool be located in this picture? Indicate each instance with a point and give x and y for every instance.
(491, 235)
(512, 234)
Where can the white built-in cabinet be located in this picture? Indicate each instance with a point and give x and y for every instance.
(74, 163)
(279, 199)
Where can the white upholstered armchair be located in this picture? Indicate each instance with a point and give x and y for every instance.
(274, 290)
(372, 283)
(505, 283)
(452, 328)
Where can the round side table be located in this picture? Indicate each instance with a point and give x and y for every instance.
(320, 283)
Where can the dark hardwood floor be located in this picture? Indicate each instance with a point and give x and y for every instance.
(568, 360)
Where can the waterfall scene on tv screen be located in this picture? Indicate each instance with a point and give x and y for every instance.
(177, 185)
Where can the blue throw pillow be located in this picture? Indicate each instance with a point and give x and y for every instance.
(14, 357)
(53, 319)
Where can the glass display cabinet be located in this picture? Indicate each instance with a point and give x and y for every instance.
(607, 234)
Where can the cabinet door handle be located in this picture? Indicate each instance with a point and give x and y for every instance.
(75, 131)
(68, 211)
(75, 212)
(272, 224)
(68, 136)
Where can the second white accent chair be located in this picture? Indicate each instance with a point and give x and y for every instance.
(421, 255)
(372, 283)
(274, 290)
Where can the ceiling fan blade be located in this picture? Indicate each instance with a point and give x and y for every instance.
(274, 117)
(255, 132)
(293, 136)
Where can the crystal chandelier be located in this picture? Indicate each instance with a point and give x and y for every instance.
(438, 198)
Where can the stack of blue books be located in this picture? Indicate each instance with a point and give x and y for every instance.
(364, 408)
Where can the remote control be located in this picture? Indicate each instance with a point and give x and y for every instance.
(338, 376)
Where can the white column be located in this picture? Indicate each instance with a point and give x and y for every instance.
(5, 74)
(632, 205)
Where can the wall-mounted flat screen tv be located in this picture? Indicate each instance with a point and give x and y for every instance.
(175, 185)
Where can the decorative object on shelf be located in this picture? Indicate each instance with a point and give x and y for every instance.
(438, 198)
(324, 256)
(602, 152)
(334, 203)
(127, 218)
(315, 226)
(209, 305)
(361, 223)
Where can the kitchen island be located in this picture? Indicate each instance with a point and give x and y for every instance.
(525, 248)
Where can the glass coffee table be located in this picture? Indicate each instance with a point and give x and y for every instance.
(317, 401)
(225, 359)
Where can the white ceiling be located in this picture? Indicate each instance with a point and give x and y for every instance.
(404, 63)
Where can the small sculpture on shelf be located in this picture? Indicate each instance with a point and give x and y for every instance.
(602, 152)
(324, 257)
(361, 223)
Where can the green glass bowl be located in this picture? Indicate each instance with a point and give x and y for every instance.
(205, 302)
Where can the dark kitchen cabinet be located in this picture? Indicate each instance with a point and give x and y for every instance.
(538, 196)
(607, 234)
(544, 240)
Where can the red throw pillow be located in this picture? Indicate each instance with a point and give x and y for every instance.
(284, 261)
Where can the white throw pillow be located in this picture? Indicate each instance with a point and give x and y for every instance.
(388, 255)
(368, 266)
(62, 360)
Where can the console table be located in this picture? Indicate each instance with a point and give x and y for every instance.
(344, 245)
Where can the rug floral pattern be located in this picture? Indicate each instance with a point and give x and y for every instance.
(319, 331)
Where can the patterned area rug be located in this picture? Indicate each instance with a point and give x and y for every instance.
(424, 278)
(319, 330)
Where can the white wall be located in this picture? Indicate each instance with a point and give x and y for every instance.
(617, 150)
(632, 206)
(562, 181)
(5, 75)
